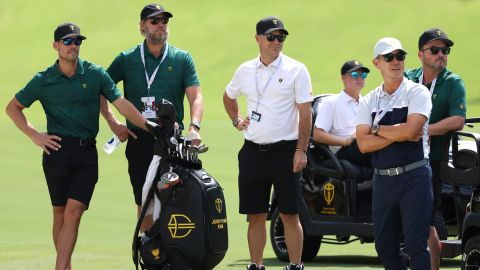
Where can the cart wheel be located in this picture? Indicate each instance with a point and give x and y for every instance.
(311, 244)
(471, 254)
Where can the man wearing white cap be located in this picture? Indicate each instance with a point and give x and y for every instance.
(392, 125)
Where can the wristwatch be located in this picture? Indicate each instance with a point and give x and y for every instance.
(375, 129)
(236, 120)
(195, 124)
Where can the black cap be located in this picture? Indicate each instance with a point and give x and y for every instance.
(65, 30)
(433, 34)
(353, 65)
(153, 10)
(270, 24)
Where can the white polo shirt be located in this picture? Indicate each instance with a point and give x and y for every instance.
(409, 98)
(272, 91)
(337, 114)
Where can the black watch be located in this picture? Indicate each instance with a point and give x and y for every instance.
(195, 124)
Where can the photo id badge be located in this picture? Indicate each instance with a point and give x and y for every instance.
(148, 107)
(256, 116)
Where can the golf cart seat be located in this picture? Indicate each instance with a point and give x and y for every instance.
(349, 184)
(323, 162)
(463, 167)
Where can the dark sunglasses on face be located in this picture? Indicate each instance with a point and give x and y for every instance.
(356, 74)
(280, 38)
(69, 41)
(434, 50)
(399, 56)
(156, 20)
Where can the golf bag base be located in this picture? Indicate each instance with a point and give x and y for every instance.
(191, 231)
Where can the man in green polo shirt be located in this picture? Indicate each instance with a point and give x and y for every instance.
(69, 92)
(448, 112)
(151, 71)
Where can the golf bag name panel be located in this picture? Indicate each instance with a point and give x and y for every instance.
(194, 221)
(216, 214)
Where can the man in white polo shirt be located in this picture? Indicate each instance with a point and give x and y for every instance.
(337, 115)
(392, 125)
(276, 128)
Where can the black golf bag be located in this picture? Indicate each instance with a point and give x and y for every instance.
(191, 229)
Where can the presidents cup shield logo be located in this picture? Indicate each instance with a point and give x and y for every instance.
(180, 226)
(219, 205)
(328, 193)
(155, 253)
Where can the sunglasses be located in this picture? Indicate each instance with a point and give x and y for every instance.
(69, 41)
(434, 50)
(156, 20)
(356, 74)
(280, 38)
(399, 56)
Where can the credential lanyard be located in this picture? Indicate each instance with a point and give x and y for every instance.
(260, 93)
(432, 86)
(378, 115)
(150, 79)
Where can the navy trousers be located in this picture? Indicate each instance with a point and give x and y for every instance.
(402, 209)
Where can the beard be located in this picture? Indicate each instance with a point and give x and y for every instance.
(157, 37)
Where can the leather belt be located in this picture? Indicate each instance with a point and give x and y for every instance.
(77, 141)
(401, 170)
(267, 147)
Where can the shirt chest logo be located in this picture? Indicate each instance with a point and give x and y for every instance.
(84, 86)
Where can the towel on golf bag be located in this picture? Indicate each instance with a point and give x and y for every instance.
(154, 205)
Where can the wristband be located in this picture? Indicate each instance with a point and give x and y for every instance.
(300, 149)
(195, 124)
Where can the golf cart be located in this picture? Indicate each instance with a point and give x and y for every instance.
(336, 204)
(460, 170)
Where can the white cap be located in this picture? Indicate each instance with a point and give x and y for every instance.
(387, 45)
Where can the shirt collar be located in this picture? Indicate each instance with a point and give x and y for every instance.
(383, 93)
(347, 98)
(274, 64)
(440, 77)
(80, 70)
(147, 51)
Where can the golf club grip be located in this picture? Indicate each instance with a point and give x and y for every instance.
(186, 164)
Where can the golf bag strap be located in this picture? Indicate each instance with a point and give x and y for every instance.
(137, 228)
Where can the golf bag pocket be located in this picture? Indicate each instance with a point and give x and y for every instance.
(194, 221)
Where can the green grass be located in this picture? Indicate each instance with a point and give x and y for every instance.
(220, 36)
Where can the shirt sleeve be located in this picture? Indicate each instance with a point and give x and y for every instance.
(108, 87)
(364, 116)
(190, 77)
(115, 70)
(29, 93)
(234, 87)
(303, 86)
(420, 101)
(457, 100)
(325, 112)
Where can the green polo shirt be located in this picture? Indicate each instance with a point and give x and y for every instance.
(448, 99)
(175, 74)
(72, 105)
